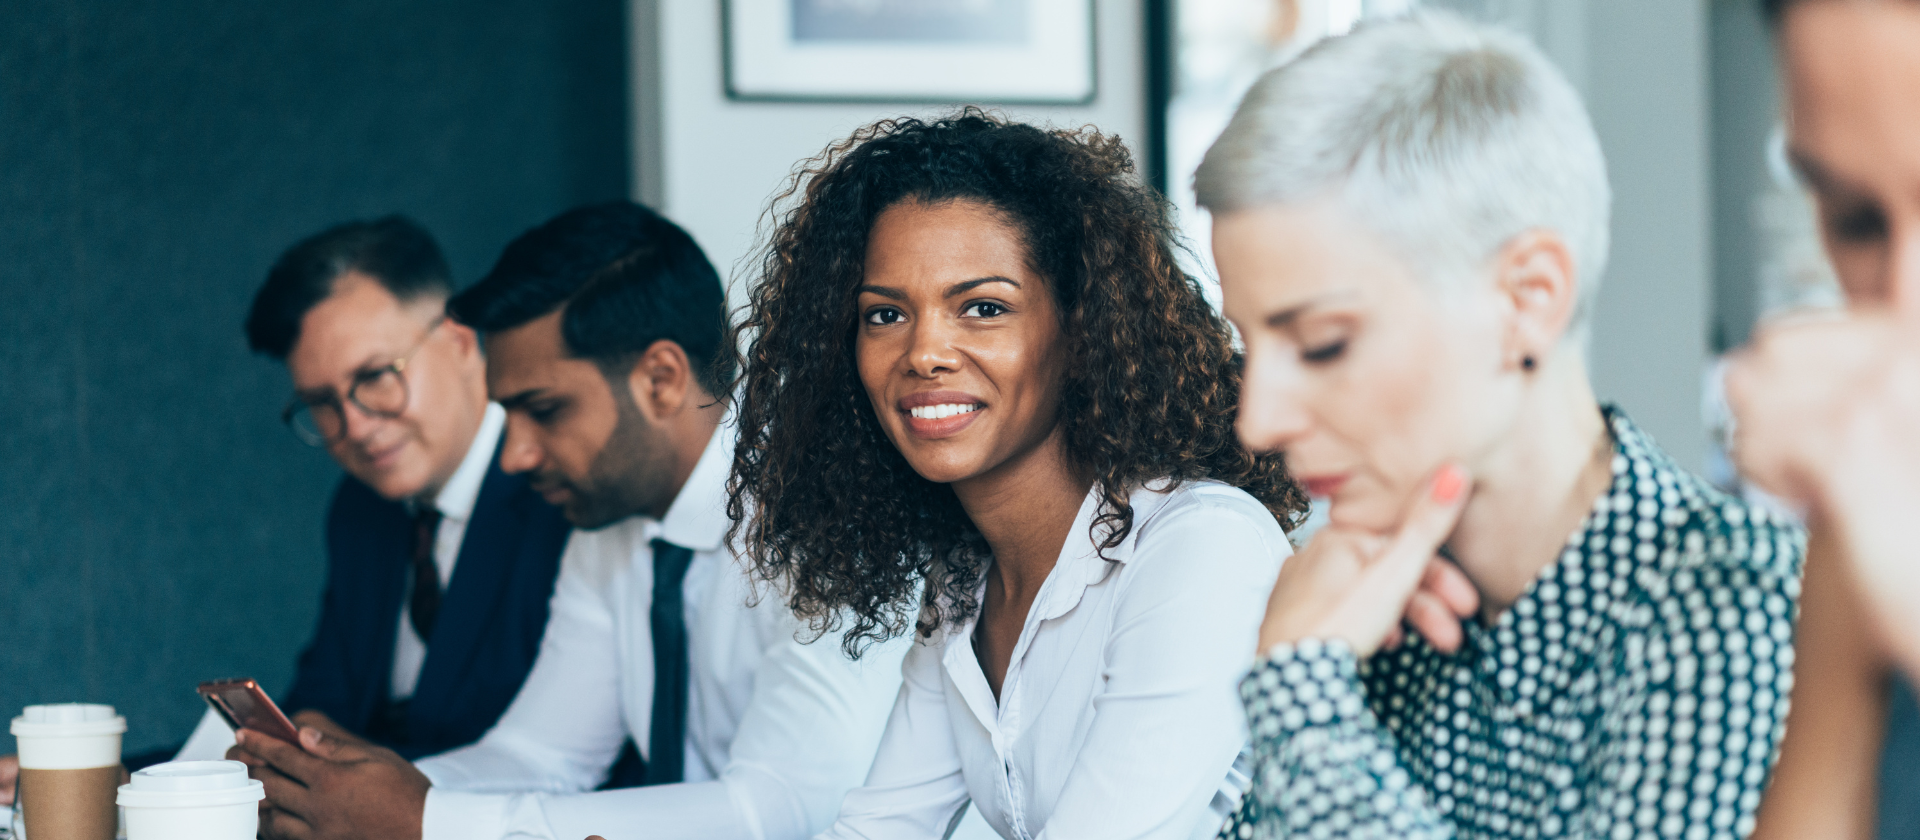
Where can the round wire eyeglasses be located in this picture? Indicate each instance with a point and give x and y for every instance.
(377, 392)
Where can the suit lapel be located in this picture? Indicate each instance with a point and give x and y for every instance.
(387, 538)
(485, 564)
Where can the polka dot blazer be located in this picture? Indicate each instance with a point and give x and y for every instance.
(1637, 689)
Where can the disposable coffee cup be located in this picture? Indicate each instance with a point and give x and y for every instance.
(192, 800)
(69, 769)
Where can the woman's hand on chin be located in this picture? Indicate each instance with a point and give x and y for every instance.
(1359, 586)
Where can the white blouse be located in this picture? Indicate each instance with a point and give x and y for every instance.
(1119, 716)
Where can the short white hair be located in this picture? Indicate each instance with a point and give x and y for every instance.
(1447, 138)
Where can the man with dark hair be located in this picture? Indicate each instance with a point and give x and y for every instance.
(440, 562)
(607, 345)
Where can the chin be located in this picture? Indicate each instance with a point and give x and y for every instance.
(1364, 512)
(942, 475)
(589, 520)
(401, 481)
(934, 460)
(940, 468)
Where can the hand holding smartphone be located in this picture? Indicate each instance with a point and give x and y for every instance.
(245, 706)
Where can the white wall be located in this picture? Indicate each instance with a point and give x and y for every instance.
(1643, 66)
(712, 164)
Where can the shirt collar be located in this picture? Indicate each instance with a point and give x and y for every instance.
(1634, 455)
(1082, 563)
(698, 517)
(462, 491)
(1081, 566)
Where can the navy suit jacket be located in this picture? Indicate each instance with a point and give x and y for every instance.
(484, 640)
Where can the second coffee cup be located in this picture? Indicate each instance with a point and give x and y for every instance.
(192, 800)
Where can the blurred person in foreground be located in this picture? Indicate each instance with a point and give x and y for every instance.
(1410, 226)
(1828, 411)
(604, 328)
(439, 563)
(988, 414)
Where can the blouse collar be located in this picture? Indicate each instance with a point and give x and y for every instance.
(1082, 564)
(1636, 462)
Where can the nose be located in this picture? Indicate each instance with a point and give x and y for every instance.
(1272, 416)
(520, 452)
(356, 424)
(931, 351)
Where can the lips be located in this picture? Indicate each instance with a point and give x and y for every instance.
(384, 457)
(554, 490)
(1323, 486)
(939, 414)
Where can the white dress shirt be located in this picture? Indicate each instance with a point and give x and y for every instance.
(1119, 716)
(777, 731)
(455, 501)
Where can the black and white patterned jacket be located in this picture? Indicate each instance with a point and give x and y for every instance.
(1637, 689)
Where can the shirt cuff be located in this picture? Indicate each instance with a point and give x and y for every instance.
(209, 741)
(1301, 684)
(459, 815)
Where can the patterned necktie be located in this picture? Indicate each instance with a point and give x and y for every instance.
(666, 737)
(425, 606)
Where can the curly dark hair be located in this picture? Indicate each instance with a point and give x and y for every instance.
(841, 524)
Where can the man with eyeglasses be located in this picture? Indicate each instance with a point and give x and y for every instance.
(440, 565)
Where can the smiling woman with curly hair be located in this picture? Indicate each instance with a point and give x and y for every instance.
(983, 403)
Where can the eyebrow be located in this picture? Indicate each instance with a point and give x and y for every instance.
(968, 286)
(520, 399)
(324, 392)
(315, 395)
(1284, 317)
(956, 289)
(1817, 177)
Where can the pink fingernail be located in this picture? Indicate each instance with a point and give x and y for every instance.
(1448, 484)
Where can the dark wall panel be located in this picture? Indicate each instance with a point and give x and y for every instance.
(157, 525)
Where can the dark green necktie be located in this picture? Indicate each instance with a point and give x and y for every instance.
(666, 738)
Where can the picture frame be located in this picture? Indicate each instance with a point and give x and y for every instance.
(1015, 52)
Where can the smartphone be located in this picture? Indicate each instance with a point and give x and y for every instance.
(244, 706)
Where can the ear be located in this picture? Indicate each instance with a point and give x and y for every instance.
(464, 337)
(661, 380)
(1537, 277)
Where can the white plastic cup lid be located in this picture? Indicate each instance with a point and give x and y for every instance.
(188, 784)
(68, 720)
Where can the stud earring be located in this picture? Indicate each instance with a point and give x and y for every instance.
(1527, 363)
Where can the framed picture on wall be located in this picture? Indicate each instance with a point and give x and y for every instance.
(993, 51)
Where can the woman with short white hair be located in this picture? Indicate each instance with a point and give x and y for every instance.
(1410, 225)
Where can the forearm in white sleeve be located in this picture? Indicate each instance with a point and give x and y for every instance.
(209, 741)
(564, 728)
(707, 810)
(915, 787)
(1168, 726)
(810, 729)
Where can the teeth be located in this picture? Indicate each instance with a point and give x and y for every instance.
(944, 410)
